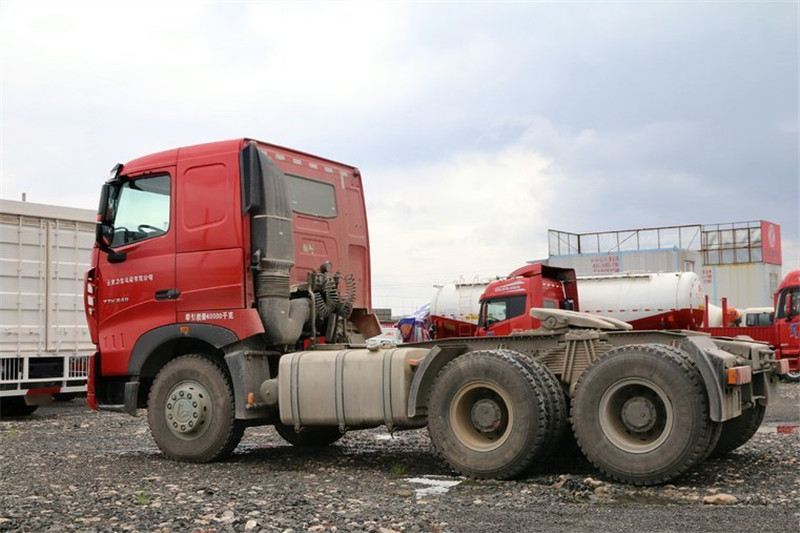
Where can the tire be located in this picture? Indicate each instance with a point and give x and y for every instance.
(792, 376)
(309, 437)
(190, 411)
(739, 430)
(555, 400)
(716, 427)
(640, 414)
(15, 406)
(486, 415)
(559, 414)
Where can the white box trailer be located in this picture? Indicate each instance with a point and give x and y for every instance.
(45, 345)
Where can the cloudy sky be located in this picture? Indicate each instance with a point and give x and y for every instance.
(477, 126)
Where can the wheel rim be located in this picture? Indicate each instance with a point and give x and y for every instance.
(636, 415)
(188, 410)
(481, 416)
(794, 374)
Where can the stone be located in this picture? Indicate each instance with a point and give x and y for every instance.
(594, 483)
(720, 499)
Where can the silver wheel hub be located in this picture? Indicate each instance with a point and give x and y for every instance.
(188, 409)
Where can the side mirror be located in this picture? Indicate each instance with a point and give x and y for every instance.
(789, 309)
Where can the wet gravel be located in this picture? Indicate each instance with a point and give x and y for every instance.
(67, 468)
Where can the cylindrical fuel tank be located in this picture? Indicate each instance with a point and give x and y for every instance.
(666, 300)
(458, 301)
(352, 388)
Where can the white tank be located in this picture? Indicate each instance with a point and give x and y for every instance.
(459, 301)
(648, 301)
(671, 300)
(714, 316)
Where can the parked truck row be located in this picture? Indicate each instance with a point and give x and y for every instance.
(230, 287)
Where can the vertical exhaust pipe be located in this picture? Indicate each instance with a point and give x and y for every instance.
(264, 196)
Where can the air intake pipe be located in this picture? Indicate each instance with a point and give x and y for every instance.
(264, 196)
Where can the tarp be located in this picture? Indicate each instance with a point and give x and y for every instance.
(415, 327)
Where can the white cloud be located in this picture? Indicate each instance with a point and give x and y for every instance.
(474, 214)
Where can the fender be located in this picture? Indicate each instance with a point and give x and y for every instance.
(216, 336)
(425, 375)
(711, 361)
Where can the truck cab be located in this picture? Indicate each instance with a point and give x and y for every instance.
(505, 303)
(197, 250)
(787, 323)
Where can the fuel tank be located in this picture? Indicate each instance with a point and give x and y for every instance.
(349, 388)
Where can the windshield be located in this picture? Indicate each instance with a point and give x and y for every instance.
(789, 300)
(136, 210)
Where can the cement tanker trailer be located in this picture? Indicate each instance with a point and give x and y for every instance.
(664, 300)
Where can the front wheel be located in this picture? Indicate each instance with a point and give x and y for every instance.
(190, 410)
(640, 414)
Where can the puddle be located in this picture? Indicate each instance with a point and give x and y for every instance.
(779, 427)
(433, 486)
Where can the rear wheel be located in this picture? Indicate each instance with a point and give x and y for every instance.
(640, 414)
(191, 410)
(554, 398)
(15, 406)
(309, 437)
(486, 415)
(739, 430)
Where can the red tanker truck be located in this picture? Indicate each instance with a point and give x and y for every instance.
(230, 287)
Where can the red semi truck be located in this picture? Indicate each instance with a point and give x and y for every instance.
(230, 287)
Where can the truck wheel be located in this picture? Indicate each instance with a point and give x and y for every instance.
(15, 406)
(640, 414)
(191, 410)
(309, 437)
(558, 411)
(486, 415)
(554, 397)
(792, 377)
(739, 430)
(716, 427)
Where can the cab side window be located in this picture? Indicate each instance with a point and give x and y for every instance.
(789, 300)
(499, 309)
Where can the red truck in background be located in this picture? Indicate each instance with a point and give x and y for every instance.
(784, 334)
(647, 301)
(230, 287)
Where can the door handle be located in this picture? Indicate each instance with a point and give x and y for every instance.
(168, 294)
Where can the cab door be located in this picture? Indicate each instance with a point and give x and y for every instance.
(136, 274)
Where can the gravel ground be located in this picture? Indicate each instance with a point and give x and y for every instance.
(67, 468)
